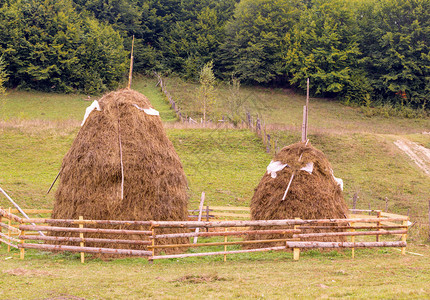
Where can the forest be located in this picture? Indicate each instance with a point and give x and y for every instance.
(364, 52)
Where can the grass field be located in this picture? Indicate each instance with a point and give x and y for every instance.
(37, 129)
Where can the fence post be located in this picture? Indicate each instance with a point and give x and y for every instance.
(22, 250)
(354, 201)
(225, 246)
(352, 241)
(9, 233)
(1, 228)
(404, 236)
(81, 235)
(378, 224)
(296, 251)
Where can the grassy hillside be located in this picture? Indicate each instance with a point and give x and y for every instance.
(36, 131)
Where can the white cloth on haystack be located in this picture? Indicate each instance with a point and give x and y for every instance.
(93, 106)
(339, 181)
(308, 168)
(276, 166)
(148, 111)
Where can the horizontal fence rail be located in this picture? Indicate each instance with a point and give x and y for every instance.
(248, 235)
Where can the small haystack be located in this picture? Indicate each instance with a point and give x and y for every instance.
(314, 193)
(122, 166)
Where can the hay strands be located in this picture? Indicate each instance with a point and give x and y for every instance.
(17, 207)
(292, 176)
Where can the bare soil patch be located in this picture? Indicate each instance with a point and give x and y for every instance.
(420, 155)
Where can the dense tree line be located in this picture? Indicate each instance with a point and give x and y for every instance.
(361, 51)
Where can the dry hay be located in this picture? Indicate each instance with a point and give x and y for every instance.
(155, 186)
(310, 196)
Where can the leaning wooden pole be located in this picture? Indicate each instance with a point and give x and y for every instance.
(17, 207)
(202, 200)
(130, 75)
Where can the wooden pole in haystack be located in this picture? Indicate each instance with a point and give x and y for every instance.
(130, 75)
(305, 115)
(292, 176)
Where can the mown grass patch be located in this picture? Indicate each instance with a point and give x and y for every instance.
(372, 274)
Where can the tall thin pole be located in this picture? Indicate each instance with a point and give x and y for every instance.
(131, 64)
(18, 208)
(307, 109)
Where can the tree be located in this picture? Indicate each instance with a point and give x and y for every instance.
(256, 39)
(3, 76)
(49, 46)
(324, 48)
(396, 50)
(207, 89)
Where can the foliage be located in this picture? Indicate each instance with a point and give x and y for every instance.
(396, 50)
(256, 39)
(206, 93)
(3, 75)
(49, 46)
(323, 47)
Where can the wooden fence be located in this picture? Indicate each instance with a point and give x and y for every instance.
(255, 124)
(388, 230)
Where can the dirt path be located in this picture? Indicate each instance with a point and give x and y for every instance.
(419, 154)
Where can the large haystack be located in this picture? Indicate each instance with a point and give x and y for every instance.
(155, 187)
(313, 193)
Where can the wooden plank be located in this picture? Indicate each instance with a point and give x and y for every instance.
(390, 215)
(245, 223)
(229, 233)
(344, 244)
(218, 253)
(93, 222)
(230, 208)
(357, 233)
(84, 230)
(221, 214)
(220, 243)
(86, 240)
(85, 249)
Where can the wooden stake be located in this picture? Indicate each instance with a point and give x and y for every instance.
(225, 246)
(378, 225)
(352, 241)
(22, 250)
(292, 176)
(202, 200)
(120, 156)
(354, 201)
(429, 219)
(1, 228)
(307, 108)
(52, 184)
(81, 235)
(304, 124)
(296, 251)
(130, 75)
(404, 237)
(8, 231)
